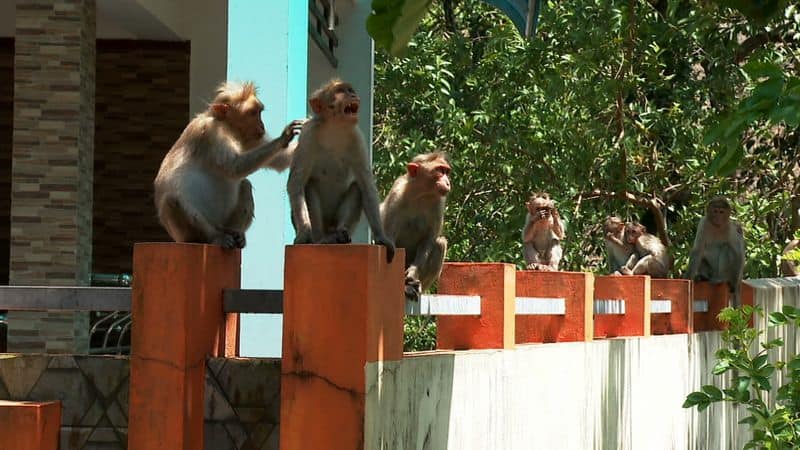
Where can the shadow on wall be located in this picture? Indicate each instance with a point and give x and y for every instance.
(409, 402)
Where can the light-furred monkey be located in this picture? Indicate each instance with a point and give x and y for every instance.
(413, 215)
(717, 255)
(201, 193)
(331, 180)
(650, 254)
(542, 233)
(621, 255)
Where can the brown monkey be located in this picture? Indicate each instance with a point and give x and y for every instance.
(201, 193)
(621, 255)
(542, 233)
(718, 251)
(650, 255)
(331, 181)
(789, 268)
(413, 214)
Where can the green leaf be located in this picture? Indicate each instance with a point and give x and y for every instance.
(713, 392)
(777, 318)
(794, 364)
(760, 69)
(695, 398)
(392, 22)
(722, 366)
(727, 160)
(760, 361)
(749, 420)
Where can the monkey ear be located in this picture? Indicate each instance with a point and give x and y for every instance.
(219, 110)
(316, 105)
(412, 169)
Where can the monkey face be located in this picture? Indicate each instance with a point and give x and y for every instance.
(246, 120)
(633, 232)
(345, 103)
(718, 216)
(540, 208)
(613, 225)
(441, 176)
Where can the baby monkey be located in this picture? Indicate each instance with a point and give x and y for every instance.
(542, 233)
(201, 193)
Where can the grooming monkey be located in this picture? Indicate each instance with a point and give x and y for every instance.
(542, 233)
(650, 254)
(331, 182)
(621, 255)
(201, 193)
(413, 215)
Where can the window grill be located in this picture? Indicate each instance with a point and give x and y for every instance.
(322, 21)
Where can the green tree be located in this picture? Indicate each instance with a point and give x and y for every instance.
(623, 107)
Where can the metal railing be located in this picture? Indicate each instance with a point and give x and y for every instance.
(111, 308)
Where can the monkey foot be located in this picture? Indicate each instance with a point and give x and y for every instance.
(238, 239)
(337, 237)
(413, 291)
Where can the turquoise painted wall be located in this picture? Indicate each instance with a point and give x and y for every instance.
(268, 43)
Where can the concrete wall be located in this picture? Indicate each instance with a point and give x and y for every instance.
(613, 394)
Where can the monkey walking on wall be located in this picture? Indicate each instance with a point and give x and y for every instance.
(718, 252)
(201, 193)
(542, 233)
(331, 181)
(413, 215)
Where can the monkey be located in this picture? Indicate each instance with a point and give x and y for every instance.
(330, 180)
(201, 191)
(412, 215)
(789, 268)
(621, 255)
(650, 254)
(542, 234)
(718, 252)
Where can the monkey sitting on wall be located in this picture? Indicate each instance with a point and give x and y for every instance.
(413, 215)
(621, 255)
(331, 181)
(201, 193)
(718, 252)
(542, 233)
(650, 254)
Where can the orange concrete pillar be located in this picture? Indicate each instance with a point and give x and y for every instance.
(29, 425)
(715, 297)
(679, 294)
(634, 291)
(343, 307)
(178, 321)
(494, 328)
(576, 289)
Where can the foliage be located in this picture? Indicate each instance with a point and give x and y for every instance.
(392, 22)
(751, 380)
(614, 106)
(419, 333)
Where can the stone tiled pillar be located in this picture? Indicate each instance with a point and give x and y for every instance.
(52, 165)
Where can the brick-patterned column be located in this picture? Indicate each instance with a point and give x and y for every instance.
(52, 165)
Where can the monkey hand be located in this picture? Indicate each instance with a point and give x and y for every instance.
(291, 130)
(389, 244)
